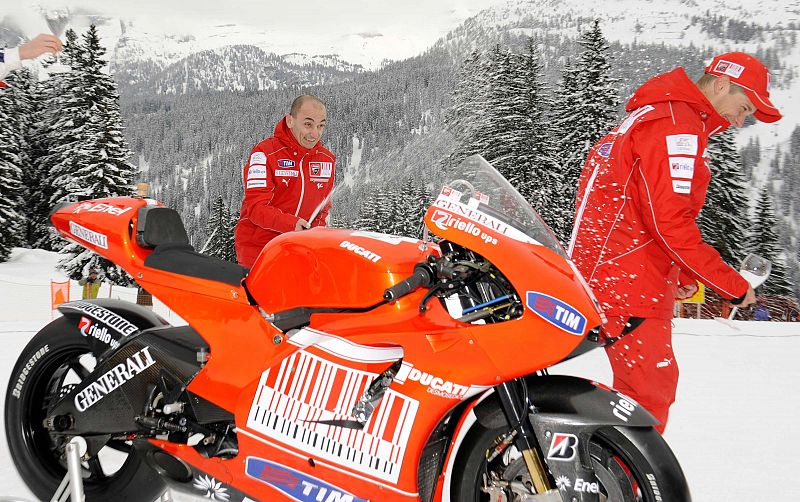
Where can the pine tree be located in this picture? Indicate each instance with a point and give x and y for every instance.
(588, 108)
(11, 219)
(763, 241)
(723, 220)
(92, 162)
(220, 232)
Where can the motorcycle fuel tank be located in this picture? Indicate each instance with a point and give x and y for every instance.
(325, 267)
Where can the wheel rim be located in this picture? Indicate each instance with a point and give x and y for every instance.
(54, 378)
(617, 480)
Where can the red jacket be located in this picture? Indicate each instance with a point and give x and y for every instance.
(640, 192)
(283, 182)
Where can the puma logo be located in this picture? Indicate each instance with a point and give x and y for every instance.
(664, 363)
(285, 181)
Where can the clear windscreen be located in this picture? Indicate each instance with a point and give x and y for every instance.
(476, 185)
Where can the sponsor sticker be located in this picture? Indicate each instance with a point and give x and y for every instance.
(445, 220)
(558, 313)
(257, 172)
(94, 330)
(90, 236)
(729, 68)
(681, 167)
(623, 407)
(682, 144)
(100, 207)
(258, 158)
(256, 183)
(112, 379)
(682, 186)
(436, 385)
(285, 163)
(450, 193)
(482, 218)
(360, 251)
(605, 149)
(295, 484)
(23, 375)
(286, 172)
(564, 447)
(105, 316)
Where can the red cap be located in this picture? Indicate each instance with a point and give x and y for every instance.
(750, 74)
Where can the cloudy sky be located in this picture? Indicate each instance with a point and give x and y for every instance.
(352, 28)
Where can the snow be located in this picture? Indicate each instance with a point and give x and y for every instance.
(737, 384)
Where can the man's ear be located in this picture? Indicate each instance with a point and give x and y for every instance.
(722, 85)
(289, 120)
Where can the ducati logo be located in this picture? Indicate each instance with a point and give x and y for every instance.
(564, 447)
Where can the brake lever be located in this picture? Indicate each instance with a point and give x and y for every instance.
(423, 305)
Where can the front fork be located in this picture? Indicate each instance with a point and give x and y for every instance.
(516, 407)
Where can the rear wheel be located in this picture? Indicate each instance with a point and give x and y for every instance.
(624, 474)
(55, 361)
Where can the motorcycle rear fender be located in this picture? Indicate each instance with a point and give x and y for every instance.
(107, 322)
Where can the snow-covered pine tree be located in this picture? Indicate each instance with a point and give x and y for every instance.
(588, 109)
(25, 91)
(763, 241)
(56, 135)
(95, 164)
(11, 219)
(567, 138)
(724, 219)
(467, 114)
(220, 232)
(542, 181)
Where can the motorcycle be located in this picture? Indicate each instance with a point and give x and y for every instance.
(344, 366)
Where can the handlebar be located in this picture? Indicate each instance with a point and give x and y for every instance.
(422, 277)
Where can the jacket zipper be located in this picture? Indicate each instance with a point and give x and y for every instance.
(302, 186)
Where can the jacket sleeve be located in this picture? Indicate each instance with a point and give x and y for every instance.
(9, 61)
(664, 173)
(259, 189)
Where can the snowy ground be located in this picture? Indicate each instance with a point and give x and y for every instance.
(737, 384)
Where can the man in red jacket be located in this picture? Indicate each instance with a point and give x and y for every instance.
(635, 238)
(286, 179)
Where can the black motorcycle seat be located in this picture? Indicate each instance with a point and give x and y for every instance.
(161, 229)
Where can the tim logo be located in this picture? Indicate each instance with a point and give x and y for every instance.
(295, 484)
(556, 312)
(285, 163)
(564, 447)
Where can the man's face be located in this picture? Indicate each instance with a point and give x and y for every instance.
(309, 123)
(733, 105)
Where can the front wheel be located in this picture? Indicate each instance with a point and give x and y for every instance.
(55, 361)
(631, 465)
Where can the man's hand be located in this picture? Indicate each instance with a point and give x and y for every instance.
(39, 45)
(301, 224)
(749, 298)
(686, 291)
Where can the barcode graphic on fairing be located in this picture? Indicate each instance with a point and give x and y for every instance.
(307, 389)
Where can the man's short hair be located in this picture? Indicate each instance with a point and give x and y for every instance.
(299, 101)
(707, 79)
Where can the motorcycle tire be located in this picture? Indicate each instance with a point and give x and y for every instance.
(631, 465)
(54, 362)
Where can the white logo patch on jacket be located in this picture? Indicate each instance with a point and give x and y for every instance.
(681, 167)
(256, 183)
(259, 172)
(681, 186)
(682, 144)
(258, 159)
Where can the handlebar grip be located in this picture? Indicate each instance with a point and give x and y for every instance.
(422, 276)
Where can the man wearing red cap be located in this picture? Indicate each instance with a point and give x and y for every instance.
(635, 238)
(288, 180)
